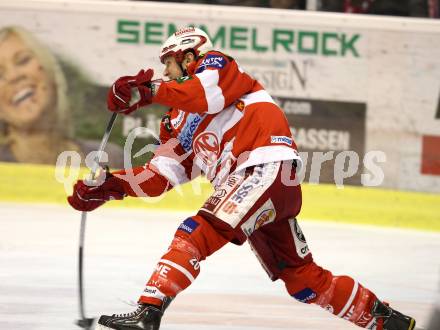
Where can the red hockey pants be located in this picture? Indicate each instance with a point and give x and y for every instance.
(259, 205)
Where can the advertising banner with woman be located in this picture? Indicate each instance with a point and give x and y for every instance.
(361, 83)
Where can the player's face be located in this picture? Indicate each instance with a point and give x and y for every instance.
(172, 68)
(26, 90)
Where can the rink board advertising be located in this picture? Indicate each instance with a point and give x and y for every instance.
(320, 127)
(346, 82)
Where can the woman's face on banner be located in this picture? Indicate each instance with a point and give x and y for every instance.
(26, 90)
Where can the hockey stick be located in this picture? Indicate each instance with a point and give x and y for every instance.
(85, 322)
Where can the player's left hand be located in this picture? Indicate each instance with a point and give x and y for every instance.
(119, 94)
(87, 195)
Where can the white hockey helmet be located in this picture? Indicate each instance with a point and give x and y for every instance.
(183, 40)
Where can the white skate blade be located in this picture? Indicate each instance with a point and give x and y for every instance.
(102, 327)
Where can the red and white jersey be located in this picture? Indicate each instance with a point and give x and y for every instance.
(221, 120)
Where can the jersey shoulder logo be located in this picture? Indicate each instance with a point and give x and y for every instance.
(212, 61)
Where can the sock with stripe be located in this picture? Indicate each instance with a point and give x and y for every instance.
(194, 240)
(340, 295)
(348, 299)
(175, 271)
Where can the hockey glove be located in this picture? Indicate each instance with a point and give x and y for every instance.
(88, 196)
(119, 94)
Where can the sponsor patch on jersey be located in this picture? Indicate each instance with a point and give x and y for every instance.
(212, 61)
(214, 200)
(188, 226)
(305, 295)
(281, 140)
(176, 122)
(166, 123)
(302, 249)
(298, 232)
(221, 194)
(187, 134)
(250, 184)
(240, 105)
(264, 218)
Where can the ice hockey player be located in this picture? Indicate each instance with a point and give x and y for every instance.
(223, 124)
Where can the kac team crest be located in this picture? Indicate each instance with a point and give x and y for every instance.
(207, 148)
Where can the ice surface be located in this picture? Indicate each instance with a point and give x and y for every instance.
(38, 271)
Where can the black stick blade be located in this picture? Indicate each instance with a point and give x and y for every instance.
(85, 323)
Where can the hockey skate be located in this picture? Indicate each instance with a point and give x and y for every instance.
(391, 319)
(145, 317)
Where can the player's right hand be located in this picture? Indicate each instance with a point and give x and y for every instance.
(87, 197)
(119, 94)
